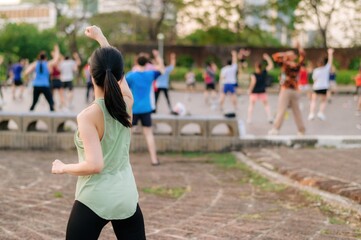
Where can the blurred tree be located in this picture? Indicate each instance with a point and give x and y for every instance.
(253, 37)
(157, 12)
(325, 15)
(125, 27)
(26, 41)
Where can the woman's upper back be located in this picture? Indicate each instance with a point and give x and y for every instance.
(42, 74)
(112, 193)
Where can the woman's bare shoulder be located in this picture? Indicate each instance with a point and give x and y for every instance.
(91, 113)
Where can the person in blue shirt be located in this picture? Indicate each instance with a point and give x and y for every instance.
(16, 75)
(41, 82)
(162, 82)
(140, 83)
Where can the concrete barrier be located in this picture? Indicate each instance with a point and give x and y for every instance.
(51, 131)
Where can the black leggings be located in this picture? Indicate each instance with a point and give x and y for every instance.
(85, 224)
(47, 93)
(165, 90)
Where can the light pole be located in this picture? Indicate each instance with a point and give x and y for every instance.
(160, 37)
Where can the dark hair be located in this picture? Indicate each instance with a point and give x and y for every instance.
(42, 57)
(229, 62)
(325, 60)
(107, 68)
(142, 60)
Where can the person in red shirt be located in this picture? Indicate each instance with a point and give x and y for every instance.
(303, 83)
(357, 79)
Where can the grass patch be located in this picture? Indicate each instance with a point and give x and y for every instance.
(325, 232)
(175, 192)
(336, 220)
(251, 216)
(229, 161)
(58, 195)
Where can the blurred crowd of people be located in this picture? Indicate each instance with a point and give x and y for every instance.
(54, 79)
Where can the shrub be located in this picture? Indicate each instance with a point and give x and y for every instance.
(355, 63)
(345, 77)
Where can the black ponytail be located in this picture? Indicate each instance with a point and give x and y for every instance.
(107, 68)
(42, 58)
(114, 100)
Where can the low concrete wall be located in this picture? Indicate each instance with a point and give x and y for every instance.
(51, 131)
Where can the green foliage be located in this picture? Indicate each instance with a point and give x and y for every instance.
(185, 61)
(252, 37)
(345, 77)
(125, 27)
(178, 74)
(213, 35)
(355, 63)
(170, 192)
(26, 41)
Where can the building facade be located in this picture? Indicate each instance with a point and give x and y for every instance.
(41, 15)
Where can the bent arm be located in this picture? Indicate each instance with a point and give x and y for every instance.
(269, 61)
(96, 33)
(278, 57)
(93, 160)
(56, 56)
(127, 95)
(30, 68)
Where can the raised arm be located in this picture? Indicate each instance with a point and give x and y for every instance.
(269, 61)
(330, 52)
(302, 53)
(55, 56)
(96, 33)
(234, 57)
(173, 59)
(77, 59)
(159, 64)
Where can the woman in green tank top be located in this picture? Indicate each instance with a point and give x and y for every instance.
(106, 189)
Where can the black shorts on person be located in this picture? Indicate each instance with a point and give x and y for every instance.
(56, 84)
(145, 119)
(18, 82)
(68, 85)
(321, 91)
(210, 86)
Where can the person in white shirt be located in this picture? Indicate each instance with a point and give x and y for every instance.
(228, 81)
(67, 69)
(321, 84)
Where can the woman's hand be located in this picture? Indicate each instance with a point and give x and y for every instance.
(94, 32)
(58, 167)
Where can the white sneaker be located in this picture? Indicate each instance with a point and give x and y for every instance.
(311, 116)
(321, 116)
(273, 131)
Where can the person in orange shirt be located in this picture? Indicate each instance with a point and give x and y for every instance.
(357, 79)
(290, 64)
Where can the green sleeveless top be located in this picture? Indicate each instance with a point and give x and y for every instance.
(111, 194)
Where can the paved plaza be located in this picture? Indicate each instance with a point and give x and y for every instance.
(340, 113)
(189, 196)
(217, 203)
